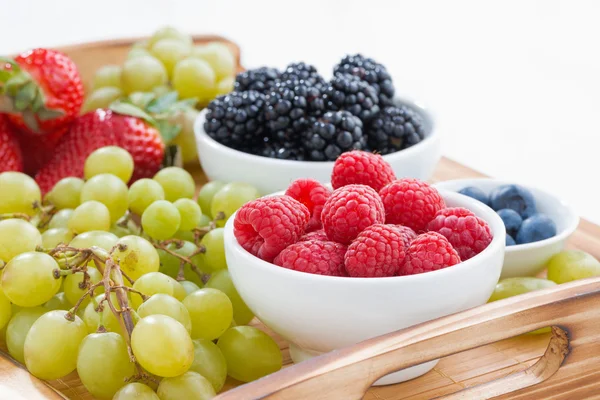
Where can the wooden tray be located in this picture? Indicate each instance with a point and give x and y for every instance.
(476, 346)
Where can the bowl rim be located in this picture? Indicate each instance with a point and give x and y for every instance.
(572, 222)
(497, 243)
(430, 137)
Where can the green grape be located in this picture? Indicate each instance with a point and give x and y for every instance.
(190, 385)
(190, 213)
(570, 265)
(109, 160)
(205, 220)
(169, 264)
(161, 90)
(109, 190)
(18, 193)
(61, 219)
(104, 240)
(150, 284)
(211, 313)
(58, 302)
(92, 318)
(206, 195)
(162, 346)
(214, 256)
(231, 197)
(225, 86)
(136, 256)
(142, 73)
(185, 235)
(143, 193)
(71, 285)
(161, 220)
(186, 139)
(103, 364)
(176, 182)
(219, 57)
(28, 238)
(194, 78)
(53, 237)
(120, 231)
(17, 330)
(101, 98)
(66, 193)
(137, 52)
(221, 280)
(169, 52)
(108, 76)
(27, 279)
(169, 32)
(209, 362)
(189, 286)
(135, 391)
(250, 353)
(6, 310)
(166, 305)
(90, 216)
(51, 345)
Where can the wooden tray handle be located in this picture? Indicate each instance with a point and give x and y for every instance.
(573, 310)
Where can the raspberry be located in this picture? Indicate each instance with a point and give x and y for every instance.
(363, 168)
(411, 202)
(429, 252)
(378, 251)
(350, 210)
(266, 226)
(314, 257)
(407, 234)
(313, 195)
(315, 235)
(468, 233)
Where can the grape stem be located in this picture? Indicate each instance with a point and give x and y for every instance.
(182, 259)
(70, 315)
(43, 217)
(200, 232)
(15, 215)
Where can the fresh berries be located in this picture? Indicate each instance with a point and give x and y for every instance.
(236, 119)
(377, 251)
(260, 79)
(315, 235)
(467, 233)
(371, 72)
(314, 257)
(512, 220)
(350, 210)
(394, 129)
(350, 93)
(313, 195)
(266, 226)
(535, 228)
(303, 72)
(476, 194)
(407, 234)
(430, 251)
(514, 197)
(10, 154)
(361, 167)
(411, 202)
(332, 134)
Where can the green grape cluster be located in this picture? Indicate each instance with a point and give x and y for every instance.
(105, 276)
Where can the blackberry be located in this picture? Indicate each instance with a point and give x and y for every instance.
(370, 71)
(303, 72)
(395, 128)
(332, 134)
(259, 79)
(273, 148)
(236, 119)
(350, 93)
(291, 107)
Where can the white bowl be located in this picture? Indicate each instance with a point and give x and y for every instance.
(317, 314)
(270, 175)
(530, 258)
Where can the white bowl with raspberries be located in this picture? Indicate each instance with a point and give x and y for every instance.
(382, 254)
(526, 258)
(269, 175)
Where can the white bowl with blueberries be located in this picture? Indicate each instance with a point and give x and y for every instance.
(537, 223)
(278, 126)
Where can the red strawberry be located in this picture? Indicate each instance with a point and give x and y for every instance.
(38, 149)
(10, 154)
(41, 90)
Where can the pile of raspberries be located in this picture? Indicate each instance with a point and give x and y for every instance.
(370, 225)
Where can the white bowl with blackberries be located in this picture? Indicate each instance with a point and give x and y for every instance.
(537, 223)
(278, 126)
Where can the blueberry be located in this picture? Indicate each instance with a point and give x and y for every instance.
(475, 193)
(512, 220)
(535, 228)
(514, 197)
(509, 240)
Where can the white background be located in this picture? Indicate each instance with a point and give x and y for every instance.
(515, 84)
